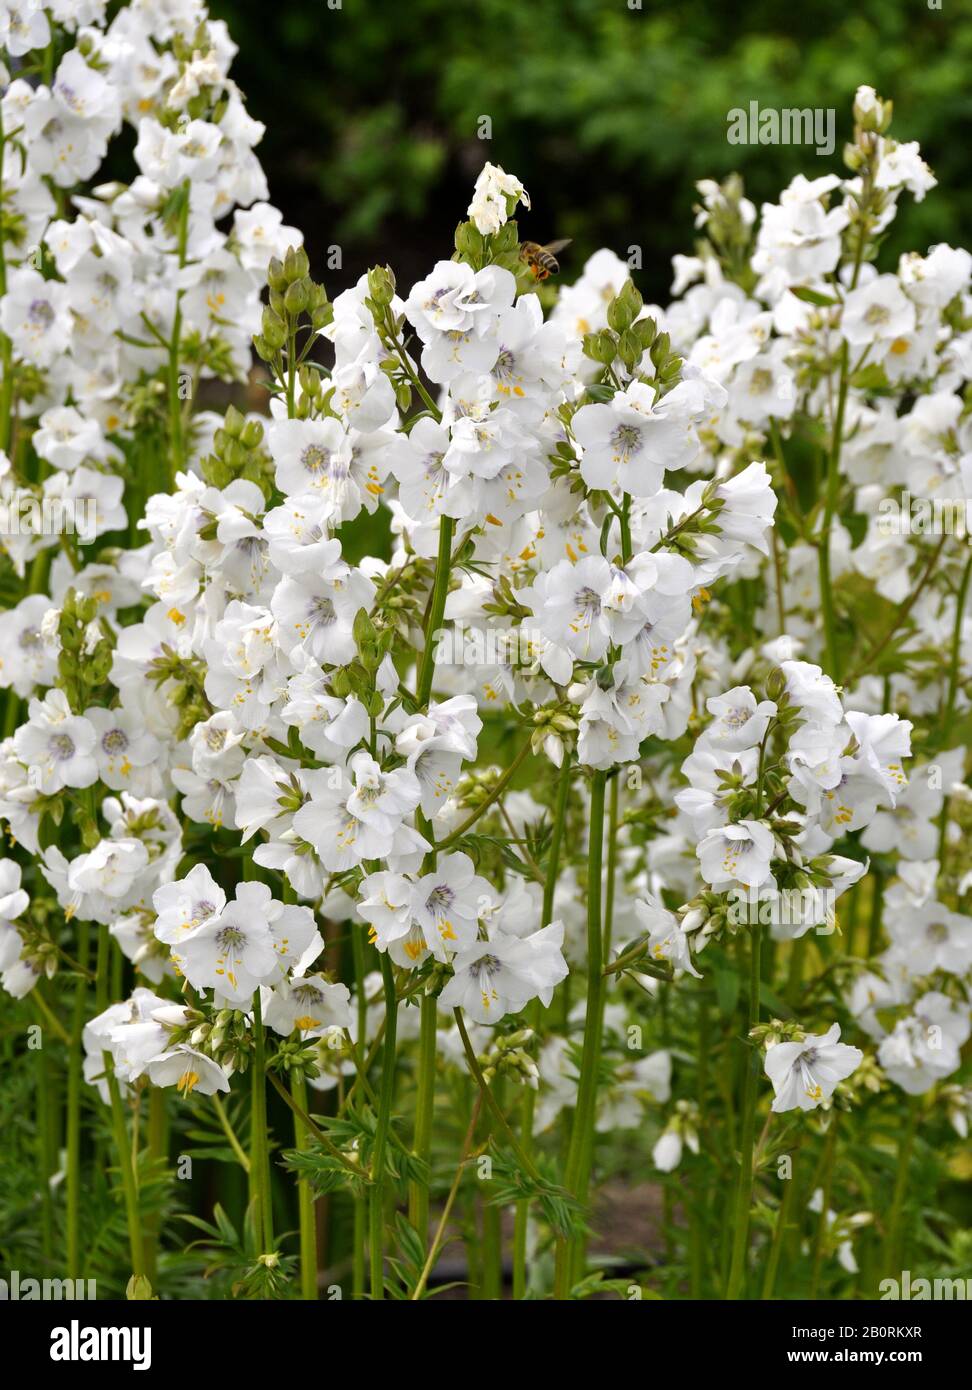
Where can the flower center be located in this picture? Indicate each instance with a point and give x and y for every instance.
(61, 746)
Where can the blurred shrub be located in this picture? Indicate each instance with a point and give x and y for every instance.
(608, 114)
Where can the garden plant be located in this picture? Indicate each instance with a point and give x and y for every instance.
(485, 810)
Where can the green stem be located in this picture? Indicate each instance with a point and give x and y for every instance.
(418, 1196)
(953, 664)
(440, 590)
(794, 979)
(305, 1198)
(360, 1201)
(901, 613)
(522, 1218)
(744, 1192)
(820, 1236)
(581, 1151)
(157, 1147)
(612, 870)
(832, 487)
(259, 1138)
(126, 1165)
(102, 969)
(779, 1235)
(410, 371)
(376, 1211)
(491, 1265)
(449, 1203)
(502, 783)
(45, 1154)
(73, 1136)
(906, 1143)
(241, 1155)
(492, 1105)
(176, 442)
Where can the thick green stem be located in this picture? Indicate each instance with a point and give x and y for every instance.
(830, 505)
(581, 1151)
(45, 1153)
(176, 441)
(305, 1198)
(612, 871)
(126, 1165)
(418, 1198)
(360, 1202)
(157, 1147)
(440, 590)
(820, 1235)
(418, 1195)
(892, 1254)
(522, 1219)
(6, 353)
(102, 969)
(73, 1136)
(376, 1222)
(259, 1137)
(744, 1192)
(955, 654)
(948, 713)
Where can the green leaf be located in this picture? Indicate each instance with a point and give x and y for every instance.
(812, 296)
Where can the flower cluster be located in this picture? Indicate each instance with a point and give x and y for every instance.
(235, 737)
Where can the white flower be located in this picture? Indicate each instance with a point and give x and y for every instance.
(124, 749)
(877, 312)
(740, 721)
(925, 1046)
(667, 1153)
(805, 1073)
(310, 1004)
(740, 852)
(310, 455)
(629, 442)
(901, 166)
(500, 976)
(233, 952)
(57, 746)
(35, 315)
(666, 939)
(189, 1071)
(447, 903)
(495, 194)
(317, 611)
(455, 312)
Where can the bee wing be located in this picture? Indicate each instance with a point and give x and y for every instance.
(553, 247)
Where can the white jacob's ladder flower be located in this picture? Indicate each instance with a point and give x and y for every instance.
(805, 1073)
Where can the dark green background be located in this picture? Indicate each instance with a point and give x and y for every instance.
(608, 115)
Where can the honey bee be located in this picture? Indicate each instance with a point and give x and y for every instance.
(542, 260)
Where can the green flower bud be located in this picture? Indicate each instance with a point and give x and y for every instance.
(274, 329)
(381, 285)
